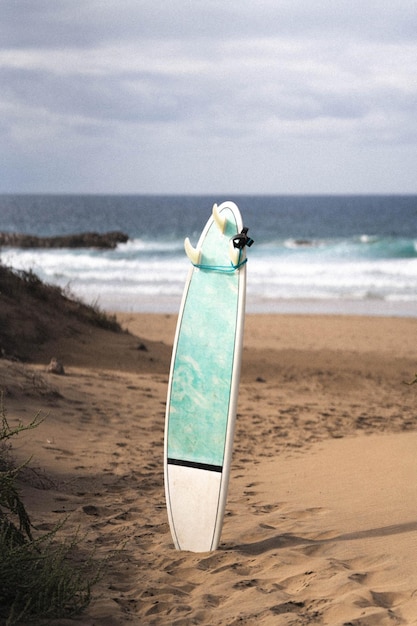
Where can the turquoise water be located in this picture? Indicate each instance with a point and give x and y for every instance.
(319, 253)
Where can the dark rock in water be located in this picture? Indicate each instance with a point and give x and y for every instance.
(80, 240)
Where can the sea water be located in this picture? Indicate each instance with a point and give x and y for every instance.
(328, 254)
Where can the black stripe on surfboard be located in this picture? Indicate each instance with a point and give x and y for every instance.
(195, 465)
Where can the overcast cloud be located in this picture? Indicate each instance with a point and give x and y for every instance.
(207, 96)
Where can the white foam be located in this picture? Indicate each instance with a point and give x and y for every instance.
(134, 271)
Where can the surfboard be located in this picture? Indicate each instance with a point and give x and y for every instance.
(204, 382)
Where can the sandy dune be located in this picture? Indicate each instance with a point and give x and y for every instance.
(320, 526)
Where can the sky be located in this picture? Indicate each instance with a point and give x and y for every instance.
(208, 96)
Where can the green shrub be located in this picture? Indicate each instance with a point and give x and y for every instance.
(39, 578)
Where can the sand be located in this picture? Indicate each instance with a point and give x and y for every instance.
(321, 523)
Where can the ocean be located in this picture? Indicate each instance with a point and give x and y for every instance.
(312, 254)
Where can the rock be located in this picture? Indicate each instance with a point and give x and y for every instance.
(55, 367)
(90, 509)
(80, 240)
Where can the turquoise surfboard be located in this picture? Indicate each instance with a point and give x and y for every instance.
(204, 382)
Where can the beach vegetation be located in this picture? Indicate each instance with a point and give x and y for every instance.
(33, 312)
(17, 284)
(41, 577)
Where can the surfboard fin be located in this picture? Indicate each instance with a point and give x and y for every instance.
(235, 254)
(194, 254)
(219, 219)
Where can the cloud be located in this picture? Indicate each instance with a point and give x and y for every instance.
(85, 24)
(156, 75)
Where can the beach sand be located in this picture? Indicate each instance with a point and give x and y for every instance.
(321, 518)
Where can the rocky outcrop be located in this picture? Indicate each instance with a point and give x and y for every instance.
(81, 240)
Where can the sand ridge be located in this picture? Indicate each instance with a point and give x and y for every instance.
(320, 525)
